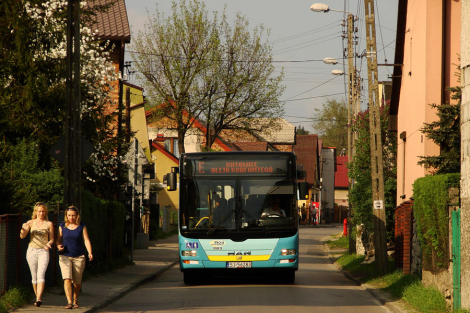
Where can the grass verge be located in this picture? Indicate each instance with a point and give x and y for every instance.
(405, 287)
(338, 242)
(14, 298)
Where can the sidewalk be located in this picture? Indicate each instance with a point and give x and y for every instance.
(100, 291)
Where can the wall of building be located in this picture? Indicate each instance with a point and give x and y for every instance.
(163, 165)
(139, 126)
(465, 155)
(341, 197)
(328, 183)
(427, 70)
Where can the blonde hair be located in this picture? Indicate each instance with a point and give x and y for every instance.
(36, 208)
(72, 208)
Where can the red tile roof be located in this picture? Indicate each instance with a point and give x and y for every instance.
(248, 146)
(112, 24)
(341, 175)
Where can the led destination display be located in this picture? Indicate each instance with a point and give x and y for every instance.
(208, 166)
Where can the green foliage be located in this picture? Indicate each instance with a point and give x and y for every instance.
(341, 242)
(331, 124)
(431, 210)
(301, 131)
(426, 300)
(405, 287)
(445, 132)
(24, 182)
(360, 195)
(13, 298)
(199, 66)
(33, 97)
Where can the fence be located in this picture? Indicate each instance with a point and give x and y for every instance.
(14, 269)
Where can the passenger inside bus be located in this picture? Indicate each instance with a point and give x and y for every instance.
(221, 212)
(274, 209)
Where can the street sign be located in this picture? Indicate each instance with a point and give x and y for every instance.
(378, 204)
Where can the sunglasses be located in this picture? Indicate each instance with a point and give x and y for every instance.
(72, 209)
(39, 203)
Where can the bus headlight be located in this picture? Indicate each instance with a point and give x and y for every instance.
(288, 252)
(189, 253)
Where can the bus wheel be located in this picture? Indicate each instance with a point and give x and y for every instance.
(190, 278)
(288, 277)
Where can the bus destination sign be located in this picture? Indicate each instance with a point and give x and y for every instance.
(216, 167)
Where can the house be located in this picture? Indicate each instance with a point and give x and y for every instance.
(327, 192)
(465, 153)
(113, 25)
(281, 138)
(428, 47)
(341, 189)
(307, 150)
(426, 57)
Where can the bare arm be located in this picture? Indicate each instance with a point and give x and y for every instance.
(25, 229)
(87, 243)
(60, 247)
(49, 244)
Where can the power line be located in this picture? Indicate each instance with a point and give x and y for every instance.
(225, 60)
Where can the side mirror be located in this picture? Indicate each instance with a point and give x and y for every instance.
(171, 181)
(303, 191)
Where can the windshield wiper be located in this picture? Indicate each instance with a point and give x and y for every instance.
(220, 223)
(257, 222)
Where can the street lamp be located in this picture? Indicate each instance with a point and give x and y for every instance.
(337, 72)
(320, 7)
(330, 61)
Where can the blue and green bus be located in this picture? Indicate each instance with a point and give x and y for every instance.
(238, 214)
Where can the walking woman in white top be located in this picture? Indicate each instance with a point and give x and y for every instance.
(41, 240)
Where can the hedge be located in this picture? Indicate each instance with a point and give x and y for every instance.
(432, 197)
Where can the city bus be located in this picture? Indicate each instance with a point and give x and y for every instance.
(238, 214)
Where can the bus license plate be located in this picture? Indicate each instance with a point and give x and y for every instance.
(238, 264)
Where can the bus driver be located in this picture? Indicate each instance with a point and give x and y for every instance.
(274, 209)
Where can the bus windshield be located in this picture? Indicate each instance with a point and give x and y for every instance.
(259, 205)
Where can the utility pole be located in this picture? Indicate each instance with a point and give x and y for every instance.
(352, 79)
(72, 170)
(378, 194)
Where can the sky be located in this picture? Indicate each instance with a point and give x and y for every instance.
(300, 40)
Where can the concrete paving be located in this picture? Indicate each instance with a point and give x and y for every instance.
(100, 291)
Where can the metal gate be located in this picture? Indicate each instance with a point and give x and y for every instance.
(456, 256)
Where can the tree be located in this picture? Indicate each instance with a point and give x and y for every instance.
(32, 88)
(205, 69)
(360, 195)
(331, 124)
(445, 132)
(301, 131)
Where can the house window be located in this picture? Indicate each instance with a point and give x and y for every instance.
(171, 145)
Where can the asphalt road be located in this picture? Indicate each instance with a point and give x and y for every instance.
(319, 287)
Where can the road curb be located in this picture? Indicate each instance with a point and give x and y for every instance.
(130, 288)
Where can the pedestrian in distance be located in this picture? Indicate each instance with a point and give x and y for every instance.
(303, 210)
(41, 240)
(72, 238)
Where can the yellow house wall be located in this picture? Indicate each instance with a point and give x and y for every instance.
(139, 126)
(163, 166)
